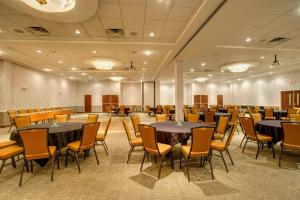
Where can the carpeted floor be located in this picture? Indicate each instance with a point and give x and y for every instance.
(114, 179)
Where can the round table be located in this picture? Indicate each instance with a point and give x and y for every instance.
(217, 116)
(270, 127)
(277, 113)
(171, 133)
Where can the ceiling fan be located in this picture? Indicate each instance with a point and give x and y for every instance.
(275, 62)
(131, 67)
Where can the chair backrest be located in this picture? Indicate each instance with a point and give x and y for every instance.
(127, 130)
(122, 109)
(11, 114)
(230, 136)
(195, 109)
(135, 122)
(201, 140)
(21, 122)
(35, 143)
(61, 118)
(166, 109)
(269, 112)
(234, 116)
(248, 127)
(161, 117)
(147, 108)
(159, 109)
(193, 117)
(256, 117)
(92, 118)
(294, 117)
(222, 125)
(37, 110)
(292, 111)
(148, 134)
(230, 110)
(89, 132)
(22, 111)
(107, 126)
(31, 110)
(291, 135)
(209, 117)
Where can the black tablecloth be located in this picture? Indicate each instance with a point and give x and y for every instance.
(217, 116)
(277, 113)
(223, 110)
(171, 133)
(270, 127)
(59, 135)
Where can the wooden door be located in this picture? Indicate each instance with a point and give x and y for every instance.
(297, 98)
(287, 100)
(87, 103)
(204, 100)
(220, 100)
(196, 99)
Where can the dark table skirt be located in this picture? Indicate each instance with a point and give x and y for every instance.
(270, 127)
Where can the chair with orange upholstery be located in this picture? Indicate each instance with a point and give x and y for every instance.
(209, 117)
(22, 111)
(102, 136)
(31, 110)
(21, 122)
(199, 148)
(290, 111)
(291, 138)
(11, 114)
(87, 142)
(256, 117)
(159, 109)
(92, 118)
(193, 118)
(147, 110)
(185, 113)
(135, 123)
(294, 117)
(35, 144)
(269, 114)
(122, 110)
(254, 136)
(152, 147)
(9, 149)
(222, 146)
(133, 142)
(61, 118)
(195, 109)
(161, 117)
(221, 128)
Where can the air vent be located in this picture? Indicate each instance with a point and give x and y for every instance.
(278, 40)
(37, 30)
(115, 33)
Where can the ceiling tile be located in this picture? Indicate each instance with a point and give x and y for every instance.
(186, 3)
(160, 3)
(133, 11)
(154, 25)
(155, 12)
(96, 32)
(92, 23)
(182, 14)
(133, 23)
(135, 2)
(109, 11)
(174, 25)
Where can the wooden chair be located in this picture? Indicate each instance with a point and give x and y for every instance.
(222, 127)
(161, 117)
(92, 118)
(61, 118)
(135, 123)
(152, 147)
(222, 146)
(186, 112)
(193, 118)
(12, 115)
(291, 137)
(31, 110)
(254, 136)
(269, 114)
(290, 111)
(209, 117)
(101, 137)
(133, 142)
(9, 149)
(87, 142)
(21, 122)
(35, 144)
(199, 148)
(256, 117)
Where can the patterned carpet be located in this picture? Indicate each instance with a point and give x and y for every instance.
(114, 179)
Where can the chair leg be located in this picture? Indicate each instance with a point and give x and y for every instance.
(155, 159)
(129, 153)
(96, 155)
(161, 162)
(211, 169)
(77, 160)
(31, 166)
(66, 161)
(3, 163)
(242, 140)
(13, 162)
(22, 171)
(172, 160)
(245, 145)
(180, 159)
(229, 156)
(57, 159)
(103, 143)
(52, 168)
(187, 168)
(143, 161)
(280, 157)
(273, 151)
(10, 128)
(258, 149)
(224, 161)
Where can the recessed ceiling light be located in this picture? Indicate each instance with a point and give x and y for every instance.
(248, 39)
(222, 71)
(210, 75)
(262, 57)
(47, 69)
(271, 66)
(147, 52)
(60, 62)
(203, 64)
(144, 69)
(0, 31)
(151, 34)
(145, 63)
(71, 78)
(39, 51)
(192, 70)
(239, 79)
(94, 52)
(77, 32)
(73, 68)
(83, 74)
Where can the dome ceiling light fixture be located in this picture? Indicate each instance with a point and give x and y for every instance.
(103, 63)
(238, 67)
(51, 5)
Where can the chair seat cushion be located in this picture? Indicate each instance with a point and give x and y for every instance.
(10, 151)
(74, 146)
(52, 150)
(100, 137)
(218, 136)
(164, 148)
(217, 145)
(271, 118)
(186, 151)
(7, 143)
(264, 138)
(136, 141)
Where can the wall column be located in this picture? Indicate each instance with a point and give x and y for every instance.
(157, 93)
(178, 90)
